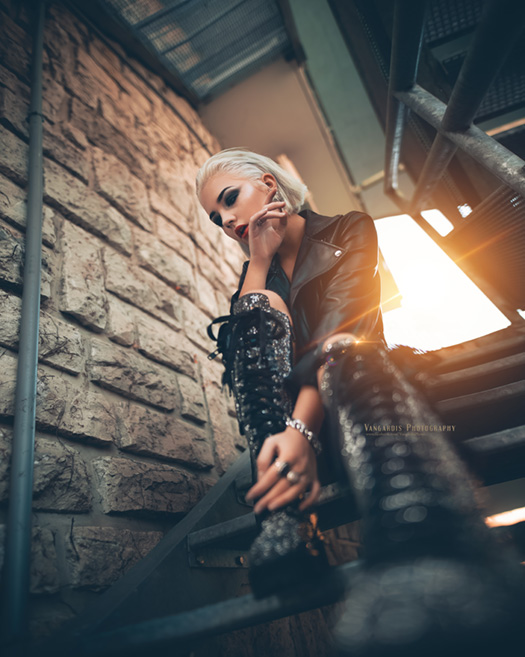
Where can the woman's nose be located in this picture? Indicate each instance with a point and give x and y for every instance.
(229, 223)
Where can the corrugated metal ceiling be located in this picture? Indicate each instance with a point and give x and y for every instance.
(208, 44)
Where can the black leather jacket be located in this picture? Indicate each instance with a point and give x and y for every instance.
(335, 283)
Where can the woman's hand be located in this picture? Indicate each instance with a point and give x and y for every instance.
(275, 490)
(267, 228)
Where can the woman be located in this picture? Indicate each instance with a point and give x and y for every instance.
(304, 340)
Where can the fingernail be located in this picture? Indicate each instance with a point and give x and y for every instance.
(258, 509)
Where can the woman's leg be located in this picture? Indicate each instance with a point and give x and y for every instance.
(433, 579)
(262, 344)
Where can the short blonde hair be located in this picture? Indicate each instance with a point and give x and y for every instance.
(245, 163)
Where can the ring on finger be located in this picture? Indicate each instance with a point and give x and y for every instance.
(293, 477)
(283, 468)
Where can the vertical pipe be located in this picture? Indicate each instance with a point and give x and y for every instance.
(407, 39)
(15, 590)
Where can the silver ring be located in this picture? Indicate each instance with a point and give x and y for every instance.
(283, 468)
(293, 477)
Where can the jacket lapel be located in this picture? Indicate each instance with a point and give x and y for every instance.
(316, 256)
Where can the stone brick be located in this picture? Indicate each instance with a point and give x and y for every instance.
(157, 341)
(92, 416)
(89, 82)
(13, 111)
(158, 434)
(98, 556)
(121, 322)
(142, 289)
(47, 616)
(13, 156)
(75, 135)
(224, 431)
(119, 115)
(82, 292)
(179, 192)
(79, 203)
(121, 188)
(173, 237)
(128, 486)
(54, 100)
(15, 46)
(60, 344)
(161, 204)
(65, 152)
(105, 136)
(52, 392)
(106, 59)
(61, 481)
(206, 298)
(44, 576)
(11, 257)
(12, 261)
(166, 264)
(195, 324)
(133, 376)
(8, 363)
(193, 405)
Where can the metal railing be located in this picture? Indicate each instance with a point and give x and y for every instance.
(500, 27)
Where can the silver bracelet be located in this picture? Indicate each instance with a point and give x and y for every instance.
(305, 431)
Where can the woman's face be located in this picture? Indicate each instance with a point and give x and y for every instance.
(231, 200)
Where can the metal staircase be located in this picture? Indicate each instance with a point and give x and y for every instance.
(193, 585)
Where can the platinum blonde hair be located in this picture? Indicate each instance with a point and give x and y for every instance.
(246, 164)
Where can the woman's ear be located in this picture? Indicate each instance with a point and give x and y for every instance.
(269, 180)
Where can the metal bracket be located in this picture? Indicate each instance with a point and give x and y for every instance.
(213, 557)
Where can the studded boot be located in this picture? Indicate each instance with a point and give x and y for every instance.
(434, 582)
(258, 353)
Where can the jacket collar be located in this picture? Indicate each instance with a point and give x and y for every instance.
(315, 256)
(315, 222)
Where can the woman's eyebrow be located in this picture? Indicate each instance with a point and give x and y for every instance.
(219, 199)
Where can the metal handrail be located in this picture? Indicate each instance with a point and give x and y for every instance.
(492, 43)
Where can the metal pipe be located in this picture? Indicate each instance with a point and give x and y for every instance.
(492, 44)
(504, 164)
(15, 593)
(407, 38)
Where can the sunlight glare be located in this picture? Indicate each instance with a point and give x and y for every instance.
(438, 221)
(440, 305)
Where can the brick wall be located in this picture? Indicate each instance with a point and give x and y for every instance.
(132, 426)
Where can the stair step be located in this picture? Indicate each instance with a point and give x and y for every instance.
(477, 378)
(483, 350)
(484, 412)
(225, 530)
(180, 629)
(491, 445)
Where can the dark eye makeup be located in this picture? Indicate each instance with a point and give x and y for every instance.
(229, 200)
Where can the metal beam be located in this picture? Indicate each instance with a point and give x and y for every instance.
(504, 164)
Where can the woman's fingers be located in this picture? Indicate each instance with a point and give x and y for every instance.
(313, 496)
(278, 499)
(272, 192)
(264, 483)
(266, 456)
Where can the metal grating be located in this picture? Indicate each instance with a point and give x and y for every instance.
(448, 19)
(209, 44)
